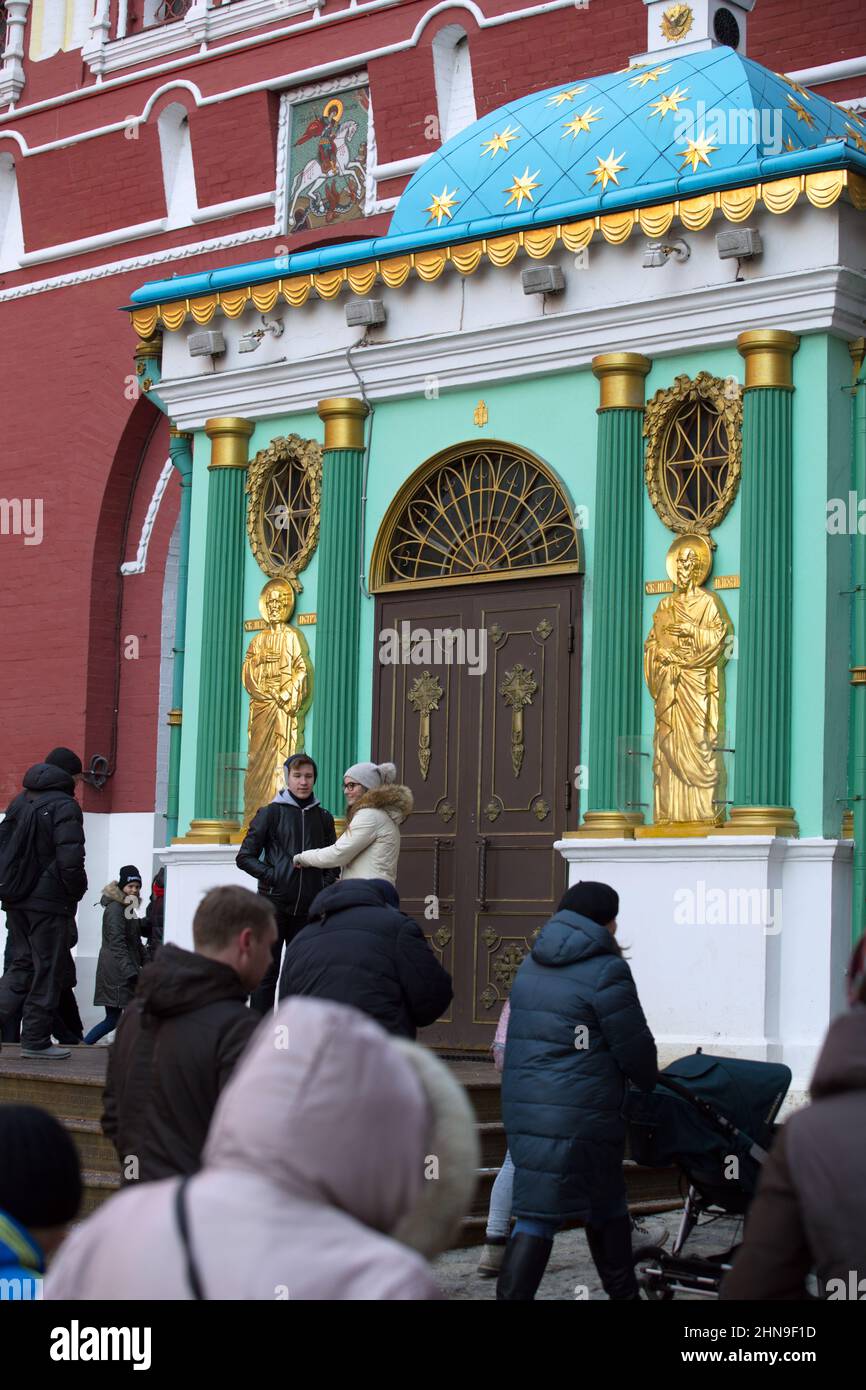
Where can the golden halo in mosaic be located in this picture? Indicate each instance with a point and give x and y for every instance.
(476, 512)
(693, 431)
(284, 483)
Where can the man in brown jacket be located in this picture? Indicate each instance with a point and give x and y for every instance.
(180, 1038)
(809, 1213)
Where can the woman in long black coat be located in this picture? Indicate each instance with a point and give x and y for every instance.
(576, 1037)
(121, 955)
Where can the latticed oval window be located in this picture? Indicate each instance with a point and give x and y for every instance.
(694, 449)
(285, 488)
(472, 512)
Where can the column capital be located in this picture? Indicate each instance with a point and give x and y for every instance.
(621, 379)
(229, 436)
(175, 433)
(148, 347)
(768, 354)
(344, 422)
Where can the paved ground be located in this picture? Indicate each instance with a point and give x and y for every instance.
(570, 1270)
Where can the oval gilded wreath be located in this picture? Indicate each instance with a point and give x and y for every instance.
(694, 451)
(284, 484)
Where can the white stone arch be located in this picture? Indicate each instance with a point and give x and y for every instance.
(178, 171)
(452, 70)
(11, 231)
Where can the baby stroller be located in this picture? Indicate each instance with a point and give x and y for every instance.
(714, 1118)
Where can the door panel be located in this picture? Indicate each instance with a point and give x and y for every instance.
(489, 759)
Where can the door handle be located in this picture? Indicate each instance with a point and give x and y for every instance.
(482, 874)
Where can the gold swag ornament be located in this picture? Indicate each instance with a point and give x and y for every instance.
(684, 658)
(694, 451)
(277, 677)
(284, 484)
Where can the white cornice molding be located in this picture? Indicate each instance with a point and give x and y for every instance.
(831, 299)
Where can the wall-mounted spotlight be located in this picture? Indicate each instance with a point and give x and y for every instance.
(660, 252)
(249, 341)
(364, 313)
(543, 279)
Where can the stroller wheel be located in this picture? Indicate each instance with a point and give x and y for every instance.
(648, 1261)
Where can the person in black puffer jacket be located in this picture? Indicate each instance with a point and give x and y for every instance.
(294, 821)
(576, 1036)
(360, 949)
(42, 925)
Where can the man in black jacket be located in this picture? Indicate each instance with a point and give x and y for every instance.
(42, 925)
(294, 821)
(179, 1039)
(360, 949)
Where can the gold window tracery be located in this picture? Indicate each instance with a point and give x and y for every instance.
(285, 487)
(694, 451)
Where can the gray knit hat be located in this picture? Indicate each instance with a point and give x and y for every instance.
(372, 775)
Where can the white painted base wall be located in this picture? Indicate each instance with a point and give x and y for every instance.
(191, 870)
(738, 944)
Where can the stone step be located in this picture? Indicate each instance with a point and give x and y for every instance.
(97, 1153)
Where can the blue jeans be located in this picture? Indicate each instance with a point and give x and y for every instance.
(108, 1025)
(499, 1215)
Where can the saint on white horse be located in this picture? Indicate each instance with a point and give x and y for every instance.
(313, 177)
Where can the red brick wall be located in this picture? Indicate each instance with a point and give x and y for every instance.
(234, 147)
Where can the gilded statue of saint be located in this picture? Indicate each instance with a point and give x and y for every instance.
(276, 677)
(684, 658)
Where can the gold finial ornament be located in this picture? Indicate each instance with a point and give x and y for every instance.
(677, 21)
(277, 677)
(684, 658)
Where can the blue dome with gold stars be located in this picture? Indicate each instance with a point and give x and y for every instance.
(706, 120)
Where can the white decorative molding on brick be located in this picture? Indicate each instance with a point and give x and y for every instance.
(12, 74)
(139, 564)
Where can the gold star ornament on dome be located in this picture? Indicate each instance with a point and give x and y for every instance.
(607, 169)
(668, 101)
(802, 113)
(499, 142)
(522, 187)
(789, 81)
(857, 138)
(443, 205)
(697, 152)
(560, 98)
(579, 123)
(652, 75)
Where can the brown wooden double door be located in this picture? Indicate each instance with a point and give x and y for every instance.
(490, 758)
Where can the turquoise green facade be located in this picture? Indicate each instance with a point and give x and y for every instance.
(555, 417)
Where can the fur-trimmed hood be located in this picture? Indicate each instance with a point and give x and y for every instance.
(394, 799)
(112, 892)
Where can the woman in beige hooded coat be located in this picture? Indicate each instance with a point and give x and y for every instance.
(314, 1184)
(370, 845)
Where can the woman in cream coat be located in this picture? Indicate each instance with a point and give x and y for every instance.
(370, 845)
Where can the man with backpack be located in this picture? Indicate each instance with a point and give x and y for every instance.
(42, 880)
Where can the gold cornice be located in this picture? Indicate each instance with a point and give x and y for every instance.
(229, 436)
(822, 189)
(149, 345)
(769, 356)
(344, 422)
(621, 380)
(857, 349)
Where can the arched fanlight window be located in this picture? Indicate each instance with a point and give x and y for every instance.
(476, 513)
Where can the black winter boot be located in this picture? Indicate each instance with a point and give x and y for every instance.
(523, 1267)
